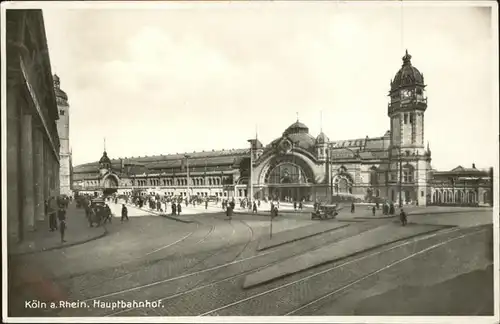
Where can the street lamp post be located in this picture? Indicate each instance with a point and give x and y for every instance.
(187, 166)
(251, 141)
(400, 183)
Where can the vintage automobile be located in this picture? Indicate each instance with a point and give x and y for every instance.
(99, 212)
(325, 212)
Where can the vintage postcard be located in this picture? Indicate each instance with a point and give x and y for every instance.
(250, 161)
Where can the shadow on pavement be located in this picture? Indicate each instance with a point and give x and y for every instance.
(469, 294)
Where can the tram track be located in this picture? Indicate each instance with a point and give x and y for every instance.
(290, 284)
(140, 265)
(198, 288)
(189, 267)
(197, 285)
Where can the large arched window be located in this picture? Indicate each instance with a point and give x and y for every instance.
(472, 197)
(110, 182)
(343, 183)
(486, 197)
(287, 173)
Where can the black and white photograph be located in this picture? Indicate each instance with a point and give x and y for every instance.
(250, 161)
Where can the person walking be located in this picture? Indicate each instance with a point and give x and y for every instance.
(403, 218)
(300, 205)
(206, 204)
(124, 213)
(61, 214)
(179, 208)
(52, 209)
(373, 210)
(109, 215)
(174, 208)
(353, 208)
(254, 207)
(295, 205)
(46, 208)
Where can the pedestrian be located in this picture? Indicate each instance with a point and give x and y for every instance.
(52, 209)
(46, 208)
(353, 208)
(373, 210)
(124, 213)
(295, 205)
(179, 208)
(174, 208)
(377, 205)
(258, 203)
(391, 209)
(108, 214)
(403, 217)
(300, 205)
(254, 207)
(62, 221)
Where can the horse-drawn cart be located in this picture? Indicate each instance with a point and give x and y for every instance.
(325, 212)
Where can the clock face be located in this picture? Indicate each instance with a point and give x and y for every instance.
(285, 146)
(405, 93)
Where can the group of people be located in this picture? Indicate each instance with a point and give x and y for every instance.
(55, 209)
(387, 209)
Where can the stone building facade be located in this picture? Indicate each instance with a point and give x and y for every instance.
(32, 138)
(395, 166)
(63, 131)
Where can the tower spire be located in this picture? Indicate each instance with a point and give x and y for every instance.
(297, 116)
(255, 131)
(321, 121)
(104, 144)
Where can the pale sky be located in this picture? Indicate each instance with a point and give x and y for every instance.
(160, 81)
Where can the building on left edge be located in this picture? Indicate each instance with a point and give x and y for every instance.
(32, 114)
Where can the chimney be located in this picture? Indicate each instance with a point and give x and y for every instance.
(473, 165)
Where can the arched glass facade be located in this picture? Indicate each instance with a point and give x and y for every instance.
(287, 173)
(110, 182)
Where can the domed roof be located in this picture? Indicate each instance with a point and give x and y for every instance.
(302, 140)
(407, 75)
(57, 88)
(296, 128)
(322, 138)
(104, 158)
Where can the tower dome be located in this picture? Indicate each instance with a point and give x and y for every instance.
(322, 138)
(104, 159)
(296, 128)
(407, 75)
(60, 94)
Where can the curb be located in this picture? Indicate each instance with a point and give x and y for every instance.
(373, 218)
(344, 257)
(419, 213)
(301, 238)
(62, 246)
(443, 212)
(177, 219)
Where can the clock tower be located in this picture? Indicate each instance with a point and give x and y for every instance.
(409, 159)
(407, 106)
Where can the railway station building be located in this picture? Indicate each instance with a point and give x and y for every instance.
(396, 166)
